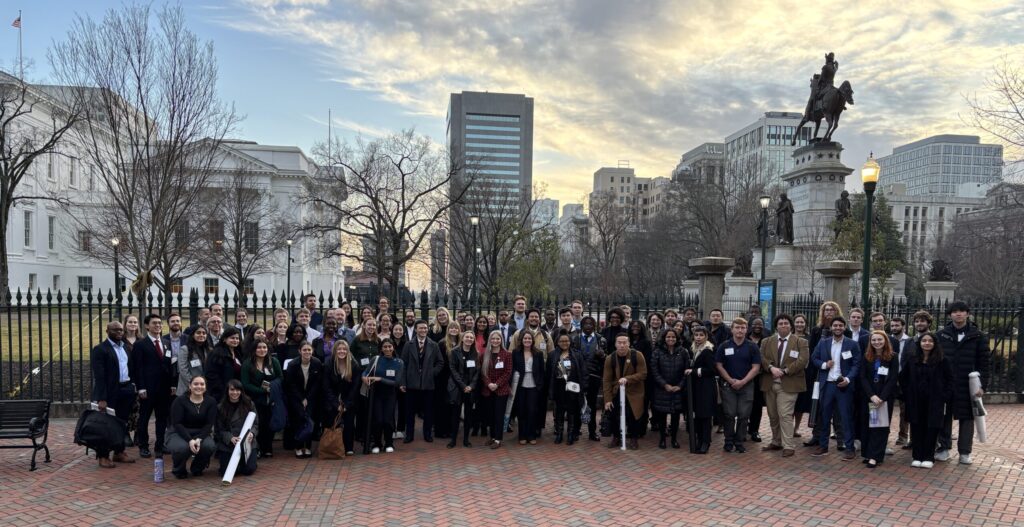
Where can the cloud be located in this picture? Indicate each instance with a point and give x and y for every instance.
(648, 80)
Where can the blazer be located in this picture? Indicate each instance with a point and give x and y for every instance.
(635, 373)
(519, 365)
(885, 387)
(106, 374)
(461, 374)
(793, 381)
(187, 372)
(165, 341)
(493, 374)
(849, 367)
(295, 390)
(420, 376)
(506, 334)
(152, 372)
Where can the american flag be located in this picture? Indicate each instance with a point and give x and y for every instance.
(17, 23)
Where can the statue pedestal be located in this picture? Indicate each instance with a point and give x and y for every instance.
(837, 275)
(815, 183)
(939, 292)
(783, 256)
(741, 292)
(711, 272)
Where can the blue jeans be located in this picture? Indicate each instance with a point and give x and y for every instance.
(833, 398)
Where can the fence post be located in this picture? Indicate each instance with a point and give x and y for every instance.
(193, 306)
(424, 305)
(1020, 347)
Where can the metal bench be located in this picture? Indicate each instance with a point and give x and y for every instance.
(26, 419)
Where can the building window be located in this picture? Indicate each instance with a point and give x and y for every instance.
(84, 284)
(216, 231)
(56, 282)
(250, 287)
(211, 286)
(28, 229)
(84, 241)
(32, 278)
(252, 237)
(177, 286)
(51, 232)
(92, 178)
(49, 166)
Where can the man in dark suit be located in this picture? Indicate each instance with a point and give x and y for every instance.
(423, 362)
(905, 348)
(506, 327)
(112, 385)
(152, 375)
(838, 362)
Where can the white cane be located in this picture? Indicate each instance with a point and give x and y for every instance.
(622, 415)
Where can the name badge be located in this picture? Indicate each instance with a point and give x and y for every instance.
(195, 363)
(567, 363)
(794, 354)
(729, 352)
(882, 370)
(959, 337)
(364, 361)
(847, 354)
(389, 373)
(499, 365)
(470, 363)
(543, 346)
(167, 353)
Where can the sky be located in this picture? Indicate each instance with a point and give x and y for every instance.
(612, 80)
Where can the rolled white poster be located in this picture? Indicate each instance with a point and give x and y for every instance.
(236, 454)
(511, 400)
(622, 415)
(977, 406)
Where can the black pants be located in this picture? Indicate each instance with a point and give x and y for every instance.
(703, 430)
(419, 401)
(360, 417)
(455, 412)
(494, 409)
(244, 468)
(673, 427)
(122, 403)
(528, 401)
(593, 387)
(633, 425)
(161, 406)
(382, 417)
(264, 435)
(965, 437)
(567, 408)
(923, 445)
(440, 426)
(756, 412)
(180, 453)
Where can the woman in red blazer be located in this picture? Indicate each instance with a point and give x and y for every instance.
(495, 373)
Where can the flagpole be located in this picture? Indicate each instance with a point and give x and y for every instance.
(21, 55)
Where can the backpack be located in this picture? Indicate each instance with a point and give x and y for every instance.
(101, 431)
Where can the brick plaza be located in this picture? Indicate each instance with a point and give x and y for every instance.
(557, 485)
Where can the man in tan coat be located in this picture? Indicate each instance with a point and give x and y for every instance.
(784, 357)
(626, 367)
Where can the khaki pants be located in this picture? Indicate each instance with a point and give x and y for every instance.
(780, 414)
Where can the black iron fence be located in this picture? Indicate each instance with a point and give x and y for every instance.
(46, 337)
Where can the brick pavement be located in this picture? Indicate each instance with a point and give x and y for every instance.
(582, 485)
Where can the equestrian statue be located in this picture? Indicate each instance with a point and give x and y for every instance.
(826, 101)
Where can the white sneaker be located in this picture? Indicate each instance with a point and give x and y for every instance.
(889, 451)
(349, 453)
(942, 455)
(389, 450)
(375, 450)
(965, 459)
(916, 464)
(398, 435)
(856, 444)
(927, 464)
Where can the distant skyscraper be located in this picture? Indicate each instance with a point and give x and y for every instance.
(545, 214)
(942, 164)
(438, 263)
(762, 147)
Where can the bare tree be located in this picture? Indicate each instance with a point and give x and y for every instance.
(33, 123)
(155, 125)
(379, 200)
(241, 213)
(815, 247)
(999, 111)
(608, 223)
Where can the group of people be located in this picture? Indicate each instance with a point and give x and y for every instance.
(373, 370)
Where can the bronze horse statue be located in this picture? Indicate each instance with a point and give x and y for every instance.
(832, 103)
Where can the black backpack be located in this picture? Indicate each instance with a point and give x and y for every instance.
(101, 431)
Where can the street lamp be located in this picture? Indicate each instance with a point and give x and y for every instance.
(869, 176)
(572, 278)
(765, 202)
(115, 242)
(474, 295)
(288, 280)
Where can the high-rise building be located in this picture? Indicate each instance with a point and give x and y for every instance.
(492, 135)
(545, 214)
(438, 263)
(762, 147)
(941, 164)
(640, 198)
(703, 164)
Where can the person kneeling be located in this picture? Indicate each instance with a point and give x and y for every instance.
(190, 433)
(230, 419)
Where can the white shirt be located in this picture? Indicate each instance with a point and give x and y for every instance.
(520, 321)
(122, 360)
(837, 354)
(903, 344)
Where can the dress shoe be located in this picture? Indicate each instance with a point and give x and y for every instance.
(740, 449)
(466, 443)
(704, 447)
(820, 451)
(407, 440)
(770, 447)
(755, 438)
(661, 443)
(144, 452)
(728, 447)
(633, 444)
(810, 442)
(788, 453)
(495, 445)
(594, 437)
(571, 440)
(123, 458)
(675, 444)
(558, 438)
(849, 455)
(106, 463)
(451, 444)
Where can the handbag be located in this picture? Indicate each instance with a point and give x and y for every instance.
(585, 413)
(332, 445)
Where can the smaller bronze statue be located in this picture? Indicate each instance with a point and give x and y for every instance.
(940, 272)
(784, 220)
(843, 207)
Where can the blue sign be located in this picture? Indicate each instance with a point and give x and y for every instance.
(766, 299)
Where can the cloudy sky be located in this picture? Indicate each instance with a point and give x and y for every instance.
(612, 80)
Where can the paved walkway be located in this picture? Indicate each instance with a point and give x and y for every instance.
(586, 484)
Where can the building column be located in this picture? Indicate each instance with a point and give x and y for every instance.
(837, 275)
(711, 273)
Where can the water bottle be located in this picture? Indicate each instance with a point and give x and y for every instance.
(158, 470)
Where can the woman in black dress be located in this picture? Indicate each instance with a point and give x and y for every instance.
(702, 374)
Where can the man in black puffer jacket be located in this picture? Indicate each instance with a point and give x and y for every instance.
(966, 348)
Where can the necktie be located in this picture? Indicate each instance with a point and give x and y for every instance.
(159, 352)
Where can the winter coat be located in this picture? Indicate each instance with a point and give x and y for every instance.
(295, 390)
(463, 370)
(635, 373)
(965, 356)
(594, 360)
(668, 367)
(576, 373)
(703, 377)
(928, 388)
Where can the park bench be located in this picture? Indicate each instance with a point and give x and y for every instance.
(26, 419)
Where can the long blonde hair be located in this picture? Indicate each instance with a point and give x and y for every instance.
(342, 367)
(821, 311)
(436, 326)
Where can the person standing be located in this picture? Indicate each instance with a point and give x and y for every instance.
(625, 367)
(703, 375)
(928, 387)
(506, 328)
(905, 349)
(385, 377)
(174, 341)
(738, 361)
(422, 360)
(528, 362)
(966, 348)
(223, 364)
(837, 361)
(303, 382)
(112, 386)
(519, 312)
(667, 371)
(193, 416)
(153, 375)
(461, 387)
(495, 373)
(823, 330)
(567, 384)
(717, 329)
(784, 357)
(878, 381)
(258, 372)
(342, 376)
(756, 334)
(592, 348)
(214, 329)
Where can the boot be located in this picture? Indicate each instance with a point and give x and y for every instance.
(661, 441)
(558, 436)
(675, 444)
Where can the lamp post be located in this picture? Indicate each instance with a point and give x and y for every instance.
(474, 294)
(115, 242)
(288, 280)
(869, 176)
(572, 279)
(765, 202)
(351, 298)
